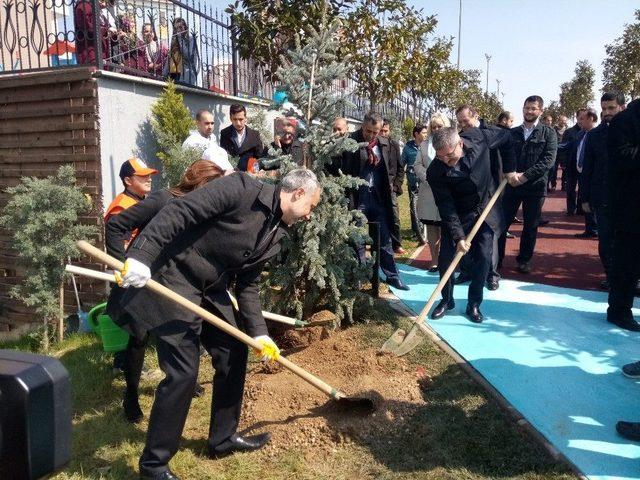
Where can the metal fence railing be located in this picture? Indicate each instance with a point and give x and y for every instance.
(187, 41)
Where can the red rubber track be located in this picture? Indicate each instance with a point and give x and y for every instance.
(559, 258)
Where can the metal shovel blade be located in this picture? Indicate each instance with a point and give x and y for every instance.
(357, 406)
(401, 343)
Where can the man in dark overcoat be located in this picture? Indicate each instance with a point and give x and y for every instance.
(374, 163)
(462, 185)
(198, 245)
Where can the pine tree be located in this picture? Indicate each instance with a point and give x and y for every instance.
(43, 217)
(319, 268)
(171, 122)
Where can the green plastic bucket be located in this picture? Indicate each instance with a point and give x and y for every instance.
(114, 339)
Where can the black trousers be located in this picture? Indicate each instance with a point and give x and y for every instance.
(371, 206)
(625, 271)
(133, 362)
(178, 346)
(396, 239)
(572, 196)
(531, 211)
(605, 236)
(478, 264)
(416, 224)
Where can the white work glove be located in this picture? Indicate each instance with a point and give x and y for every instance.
(270, 350)
(134, 274)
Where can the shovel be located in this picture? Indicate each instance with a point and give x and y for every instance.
(401, 343)
(110, 277)
(83, 317)
(354, 404)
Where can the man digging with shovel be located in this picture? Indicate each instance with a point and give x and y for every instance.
(197, 245)
(462, 186)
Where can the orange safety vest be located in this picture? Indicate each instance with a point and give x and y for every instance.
(120, 203)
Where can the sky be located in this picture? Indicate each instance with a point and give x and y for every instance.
(534, 45)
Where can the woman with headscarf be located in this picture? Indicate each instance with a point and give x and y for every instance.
(183, 62)
(427, 209)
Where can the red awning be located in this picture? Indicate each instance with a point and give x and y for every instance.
(60, 48)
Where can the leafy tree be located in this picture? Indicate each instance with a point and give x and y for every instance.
(622, 64)
(578, 92)
(171, 122)
(265, 31)
(378, 37)
(321, 269)
(257, 119)
(43, 218)
(407, 129)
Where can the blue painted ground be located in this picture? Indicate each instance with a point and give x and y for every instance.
(552, 355)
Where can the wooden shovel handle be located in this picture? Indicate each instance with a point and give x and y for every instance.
(423, 313)
(154, 286)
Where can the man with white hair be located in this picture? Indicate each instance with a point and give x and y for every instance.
(462, 185)
(199, 245)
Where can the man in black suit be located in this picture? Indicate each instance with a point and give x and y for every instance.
(198, 245)
(623, 143)
(396, 158)
(374, 164)
(594, 179)
(462, 183)
(239, 140)
(535, 145)
(569, 171)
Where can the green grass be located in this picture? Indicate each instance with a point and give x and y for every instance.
(459, 433)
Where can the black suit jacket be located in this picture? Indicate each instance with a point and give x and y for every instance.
(199, 243)
(534, 157)
(354, 164)
(251, 146)
(462, 193)
(624, 166)
(396, 158)
(594, 179)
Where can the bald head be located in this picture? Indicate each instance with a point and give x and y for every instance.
(340, 127)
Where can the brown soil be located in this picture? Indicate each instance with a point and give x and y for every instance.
(299, 415)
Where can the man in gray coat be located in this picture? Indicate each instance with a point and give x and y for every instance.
(198, 245)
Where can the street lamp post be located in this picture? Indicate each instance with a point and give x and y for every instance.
(498, 90)
(459, 32)
(488, 57)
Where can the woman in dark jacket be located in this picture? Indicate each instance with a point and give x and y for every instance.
(118, 229)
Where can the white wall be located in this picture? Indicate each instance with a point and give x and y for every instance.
(124, 104)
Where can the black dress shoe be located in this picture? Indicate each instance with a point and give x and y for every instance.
(240, 444)
(542, 222)
(493, 284)
(474, 313)
(604, 285)
(433, 269)
(462, 278)
(397, 283)
(132, 411)
(166, 475)
(624, 323)
(441, 309)
(630, 430)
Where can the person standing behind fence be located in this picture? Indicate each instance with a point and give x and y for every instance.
(183, 62)
(86, 31)
(154, 53)
(427, 210)
(408, 159)
(239, 140)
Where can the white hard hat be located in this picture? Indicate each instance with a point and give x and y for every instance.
(217, 155)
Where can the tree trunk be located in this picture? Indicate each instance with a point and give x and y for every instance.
(61, 313)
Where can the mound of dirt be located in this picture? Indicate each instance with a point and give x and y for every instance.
(299, 415)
